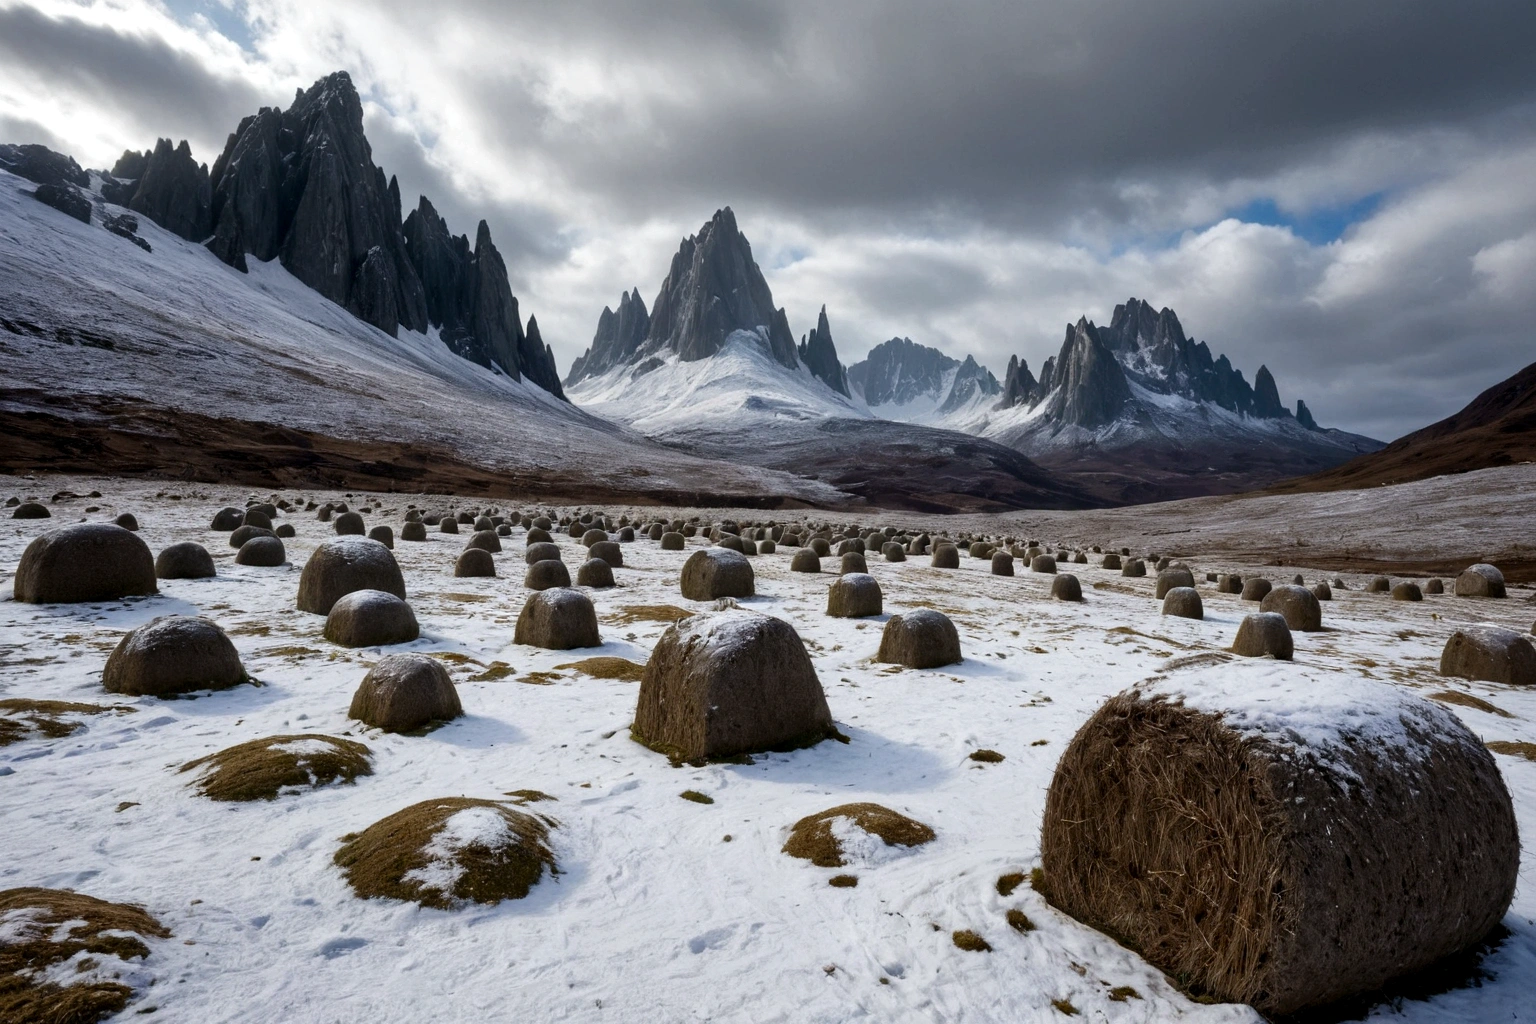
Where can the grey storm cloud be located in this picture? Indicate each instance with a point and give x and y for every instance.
(973, 176)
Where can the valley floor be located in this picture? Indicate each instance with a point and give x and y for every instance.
(656, 916)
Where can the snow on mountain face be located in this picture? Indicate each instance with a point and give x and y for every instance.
(902, 380)
(101, 338)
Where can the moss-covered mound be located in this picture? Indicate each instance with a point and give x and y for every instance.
(22, 718)
(816, 838)
(608, 668)
(46, 928)
(451, 851)
(262, 769)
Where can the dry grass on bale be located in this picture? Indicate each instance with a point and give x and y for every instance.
(1220, 861)
(811, 837)
(1466, 700)
(379, 860)
(1514, 749)
(23, 718)
(650, 613)
(970, 941)
(607, 668)
(262, 769)
(37, 945)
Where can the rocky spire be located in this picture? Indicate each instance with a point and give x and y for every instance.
(538, 360)
(819, 355)
(1087, 386)
(972, 381)
(1019, 385)
(173, 191)
(1266, 397)
(619, 336)
(1304, 415)
(714, 288)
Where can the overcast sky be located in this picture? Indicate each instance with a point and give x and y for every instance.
(1344, 191)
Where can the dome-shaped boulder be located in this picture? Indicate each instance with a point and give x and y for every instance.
(414, 530)
(1480, 580)
(1256, 588)
(854, 595)
(853, 561)
(805, 560)
(403, 692)
(893, 552)
(609, 551)
(1111, 561)
(1169, 578)
(171, 655)
(84, 562)
(1407, 590)
(384, 535)
(261, 551)
(1002, 563)
(349, 524)
(1264, 635)
(188, 560)
(371, 618)
(448, 524)
(227, 519)
(542, 551)
(919, 639)
(712, 573)
(595, 573)
(1184, 603)
(724, 684)
(241, 534)
(485, 540)
(550, 572)
(1067, 587)
(558, 619)
(1298, 604)
(1491, 654)
(338, 567)
(945, 556)
(474, 562)
(31, 510)
(1133, 568)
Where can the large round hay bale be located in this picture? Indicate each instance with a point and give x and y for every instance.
(805, 560)
(558, 619)
(1229, 583)
(853, 561)
(403, 692)
(1167, 579)
(609, 551)
(1480, 580)
(673, 541)
(538, 536)
(893, 551)
(595, 573)
(485, 540)
(484, 523)
(591, 537)
(1298, 605)
(542, 523)
(262, 551)
(1490, 653)
(767, 547)
(185, 561)
(713, 573)
(1255, 588)
(84, 562)
(723, 684)
(170, 655)
(448, 524)
(729, 542)
(1002, 563)
(323, 514)
(821, 546)
(1111, 561)
(852, 544)
(550, 572)
(1379, 585)
(1434, 586)
(226, 519)
(543, 551)
(1322, 591)
(919, 639)
(474, 563)
(1288, 848)
(656, 531)
(1067, 587)
(338, 567)
(945, 556)
(1134, 568)
(285, 531)
(1042, 563)
(1407, 591)
(350, 524)
(241, 534)
(370, 618)
(384, 535)
(1264, 635)
(1183, 602)
(414, 530)
(853, 596)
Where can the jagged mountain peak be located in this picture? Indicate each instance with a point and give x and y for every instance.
(819, 355)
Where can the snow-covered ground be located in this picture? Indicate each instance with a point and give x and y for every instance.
(655, 916)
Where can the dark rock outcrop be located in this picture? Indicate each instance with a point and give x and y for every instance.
(819, 355)
(972, 381)
(66, 199)
(43, 166)
(1019, 385)
(1085, 384)
(713, 289)
(619, 336)
(1266, 397)
(898, 371)
(1304, 415)
(173, 191)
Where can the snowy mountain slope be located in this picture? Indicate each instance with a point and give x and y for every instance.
(99, 339)
(902, 380)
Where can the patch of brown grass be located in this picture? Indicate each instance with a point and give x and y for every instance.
(57, 926)
(261, 769)
(1009, 882)
(494, 671)
(970, 941)
(379, 860)
(1065, 1006)
(650, 613)
(529, 796)
(540, 678)
(1019, 921)
(843, 881)
(986, 756)
(696, 797)
(811, 837)
(467, 598)
(1120, 993)
(23, 718)
(607, 668)
(1466, 700)
(1514, 749)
